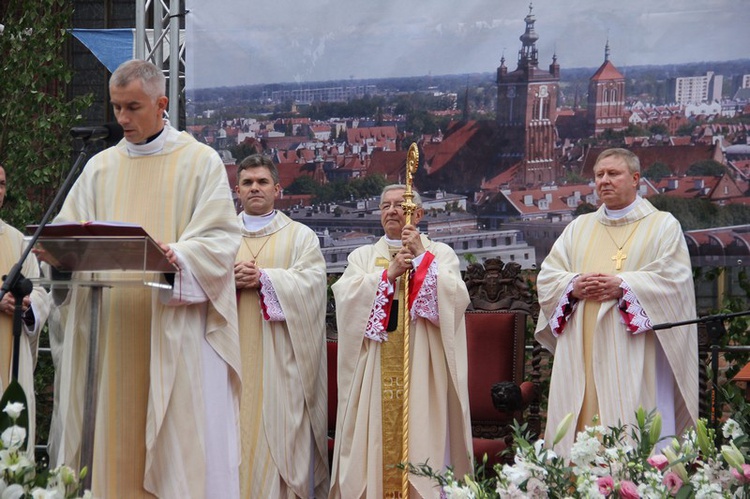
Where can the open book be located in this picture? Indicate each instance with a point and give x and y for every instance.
(99, 246)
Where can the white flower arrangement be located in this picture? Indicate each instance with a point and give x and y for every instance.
(615, 462)
(18, 472)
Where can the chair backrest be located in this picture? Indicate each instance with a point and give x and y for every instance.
(495, 346)
(501, 303)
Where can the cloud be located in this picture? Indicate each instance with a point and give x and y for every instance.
(286, 40)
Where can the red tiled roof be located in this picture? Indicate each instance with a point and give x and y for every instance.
(379, 133)
(288, 172)
(282, 143)
(680, 141)
(687, 187)
(726, 188)
(607, 71)
(438, 154)
(677, 158)
(504, 178)
(390, 164)
(558, 198)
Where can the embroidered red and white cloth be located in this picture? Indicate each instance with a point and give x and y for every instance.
(269, 300)
(631, 312)
(422, 299)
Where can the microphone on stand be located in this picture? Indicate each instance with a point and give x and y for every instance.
(111, 132)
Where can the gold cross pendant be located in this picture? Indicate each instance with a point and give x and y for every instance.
(618, 258)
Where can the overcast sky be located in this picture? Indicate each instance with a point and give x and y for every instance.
(240, 42)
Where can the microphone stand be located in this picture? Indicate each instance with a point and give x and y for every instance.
(15, 282)
(715, 329)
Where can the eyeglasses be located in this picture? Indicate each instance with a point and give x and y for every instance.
(391, 205)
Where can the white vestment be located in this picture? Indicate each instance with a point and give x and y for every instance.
(622, 365)
(167, 412)
(284, 403)
(12, 245)
(439, 423)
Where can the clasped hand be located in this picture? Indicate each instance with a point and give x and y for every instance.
(246, 275)
(411, 247)
(597, 287)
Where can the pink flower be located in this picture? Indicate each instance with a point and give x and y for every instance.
(658, 461)
(606, 485)
(745, 476)
(673, 482)
(628, 490)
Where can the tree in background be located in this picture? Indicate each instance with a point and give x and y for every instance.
(338, 191)
(304, 184)
(584, 208)
(694, 214)
(706, 168)
(35, 113)
(658, 129)
(35, 119)
(657, 171)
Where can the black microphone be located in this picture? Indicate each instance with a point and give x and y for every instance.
(111, 132)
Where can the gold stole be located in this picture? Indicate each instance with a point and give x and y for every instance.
(590, 404)
(392, 396)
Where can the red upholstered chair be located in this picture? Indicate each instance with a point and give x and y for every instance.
(333, 395)
(496, 321)
(495, 342)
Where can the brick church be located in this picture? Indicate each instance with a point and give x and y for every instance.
(527, 111)
(519, 148)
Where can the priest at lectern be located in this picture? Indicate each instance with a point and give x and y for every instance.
(168, 393)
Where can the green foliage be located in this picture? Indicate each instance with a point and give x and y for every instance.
(14, 394)
(341, 190)
(657, 171)
(35, 112)
(737, 333)
(706, 167)
(245, 149)
(304, 184)
(584, 208)
(685, 130)
(574, 178)
(696, 214)
(44, 380)
(658, 129)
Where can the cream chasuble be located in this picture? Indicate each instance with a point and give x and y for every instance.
(600, 367)
(439, 424)
(12, 246)
(151, 417)
(284, 404)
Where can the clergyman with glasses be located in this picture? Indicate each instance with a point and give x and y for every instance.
(370, 308)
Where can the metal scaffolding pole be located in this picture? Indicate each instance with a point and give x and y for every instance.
(150, 40)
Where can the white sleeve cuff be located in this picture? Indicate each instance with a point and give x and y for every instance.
(186, 289)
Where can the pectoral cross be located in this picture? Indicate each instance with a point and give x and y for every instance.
(618, 258)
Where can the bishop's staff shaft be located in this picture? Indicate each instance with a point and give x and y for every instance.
(412, 161)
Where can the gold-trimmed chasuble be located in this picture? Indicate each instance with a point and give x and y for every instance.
(392, 395)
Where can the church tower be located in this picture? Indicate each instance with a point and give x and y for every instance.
(527, 110)
(606, 101)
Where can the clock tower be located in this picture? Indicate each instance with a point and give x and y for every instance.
(527, 110)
